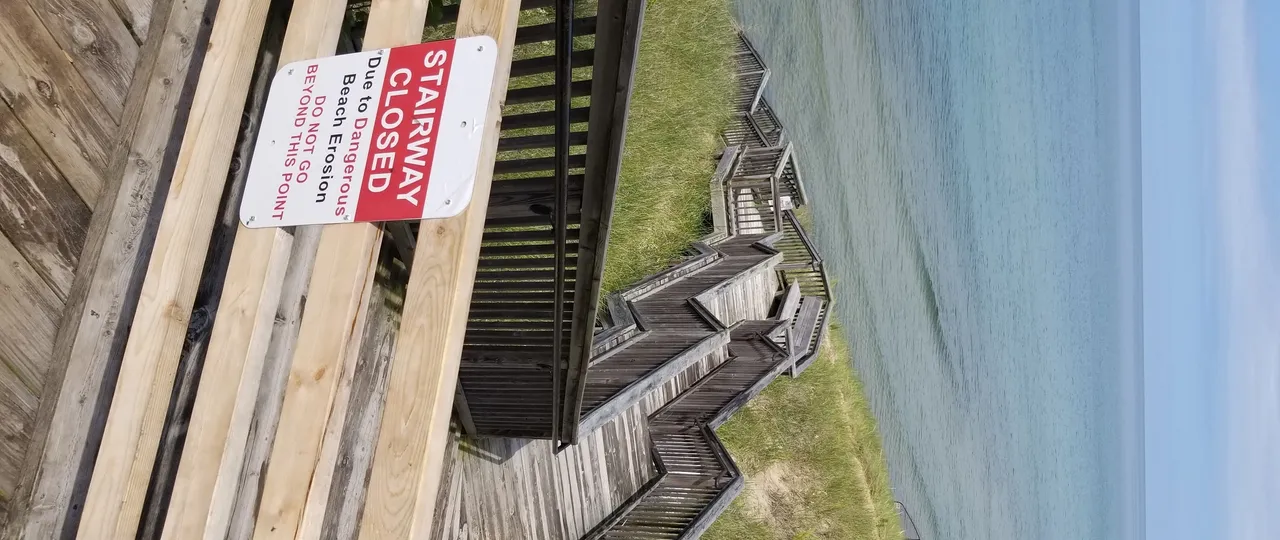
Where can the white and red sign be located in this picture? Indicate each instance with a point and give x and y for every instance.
(385, 135)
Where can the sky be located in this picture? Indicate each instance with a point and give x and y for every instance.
(1210, 102)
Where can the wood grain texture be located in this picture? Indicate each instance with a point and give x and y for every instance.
(209, 294)
(296, 490)
(53, 101)
(205, 489)
(241, 513)
(123, 465)
(103, 294)
(16, 418)
(29, 312)
(39, 212)
(137, 14)
(364, 413)
(328, 342)
(415, 429)
(98, 44)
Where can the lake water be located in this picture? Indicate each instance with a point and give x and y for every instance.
(972, 173)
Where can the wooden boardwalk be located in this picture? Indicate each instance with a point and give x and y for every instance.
(523, 488)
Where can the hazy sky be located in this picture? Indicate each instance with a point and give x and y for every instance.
(1211, 276)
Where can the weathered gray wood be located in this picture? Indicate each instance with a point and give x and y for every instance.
(44, 218)
(50, 97)
(807, 319)
(15, 421)
(637, 390)
(28, 314)
(719, 205)
(790, 302)
(103, 293)
(98, 44)
(137, 14)
(364, 412)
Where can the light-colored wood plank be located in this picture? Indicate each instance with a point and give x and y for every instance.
(123, 465)
(424, 372)
(270, 398)
(53, 101)
(98, 44)
(39, 212)
(177, 426)
(205, 490)
(329, 340)
(103, 294)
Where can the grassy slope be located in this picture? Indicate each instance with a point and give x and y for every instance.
(809, 446)
(812, 455)
(680, 104)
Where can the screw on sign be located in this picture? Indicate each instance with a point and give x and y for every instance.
(386, 135)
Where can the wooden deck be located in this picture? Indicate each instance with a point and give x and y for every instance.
(90, 94)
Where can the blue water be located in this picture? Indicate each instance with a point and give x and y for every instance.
(971, 169)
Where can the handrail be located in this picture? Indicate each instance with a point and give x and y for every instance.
(563, 104)
(804, 238)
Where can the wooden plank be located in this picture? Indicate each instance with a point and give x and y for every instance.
(103, 295)
(98, 44)
(29, 311)
(55, 103)
(137, 14)
(204, 493)
(28, 315)
(328, 340)
(638, 389)
(407, 464)
(328, 343)
(123, 465)
(266, 409)
(346, 492)
(807, 319)
(39, 212)
(209, 296)
(15, 422)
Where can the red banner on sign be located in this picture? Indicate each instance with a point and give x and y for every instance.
(404, 133)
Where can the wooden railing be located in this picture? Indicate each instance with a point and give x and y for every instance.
(752, 75)
(531, 320)
(679, 330)
(697, 478)
(752, 193)
(803, 266)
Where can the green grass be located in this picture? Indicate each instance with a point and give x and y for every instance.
(812, 456)
(680, 103)
(809, 446)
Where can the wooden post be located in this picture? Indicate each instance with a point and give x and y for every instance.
(296, 490)
(411, 446)
(123, 466)
(203, 494)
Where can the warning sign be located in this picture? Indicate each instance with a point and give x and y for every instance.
(385, 135)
